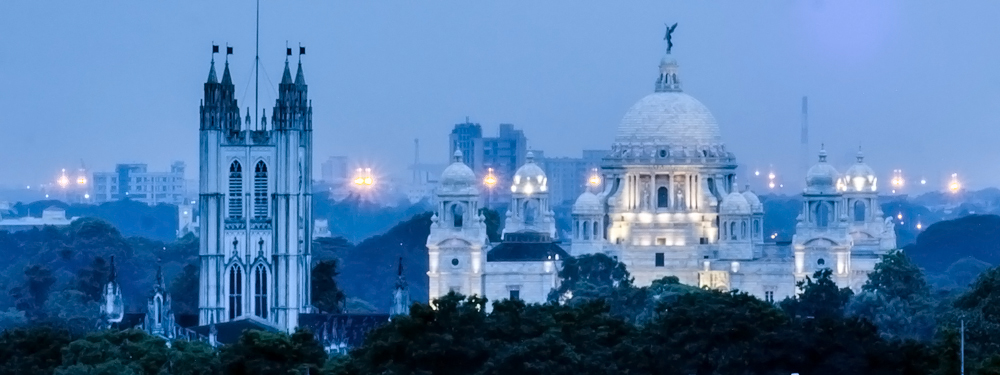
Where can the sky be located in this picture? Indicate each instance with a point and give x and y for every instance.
(914, 83)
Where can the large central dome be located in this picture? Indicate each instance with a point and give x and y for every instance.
(669, 119)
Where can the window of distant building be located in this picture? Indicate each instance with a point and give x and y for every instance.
(515, 294)
(769, 296)
(659, 259)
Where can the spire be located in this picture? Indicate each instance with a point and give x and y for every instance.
(226, 79)
(399, 273)
(286, 77)
(822, 153)
(861, 156)
(112, 273)
(211, 73)
(300, 79)
(400, 294)
(159, 275)
(457, 157)
(248, 118)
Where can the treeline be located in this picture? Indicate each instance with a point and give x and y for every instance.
(598, 322)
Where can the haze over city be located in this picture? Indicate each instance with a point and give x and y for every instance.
(913, 83)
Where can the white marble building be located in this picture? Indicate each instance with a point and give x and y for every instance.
(524, 265)
(671, 207)
(255, 206)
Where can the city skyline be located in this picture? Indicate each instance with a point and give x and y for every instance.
(122, 90)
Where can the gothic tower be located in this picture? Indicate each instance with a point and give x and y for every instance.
(255, 198)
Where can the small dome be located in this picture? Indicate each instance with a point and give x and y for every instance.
(458, 174)
(530, 178)
(734, 204)
(860, 177)
(753, 200)
(587, 203)
(821, 177)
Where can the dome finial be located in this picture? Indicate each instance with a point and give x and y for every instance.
(457, 157)
(822, 153)
(861, 156)
(530, 157)
(667, 82)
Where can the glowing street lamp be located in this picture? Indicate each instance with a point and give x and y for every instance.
(953, 186)
(490, 180)
(595, 179)
(63, 180)
(897, 179)
(364, 177)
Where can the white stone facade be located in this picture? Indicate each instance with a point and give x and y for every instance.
(255, 206)
(670, 207)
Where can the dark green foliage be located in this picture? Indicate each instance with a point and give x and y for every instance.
(30, 297)
(493, 223)
(111, 352)
(820, 297)
(34, 350)
(945, 242)
(183, 300)
(265, 353)
(368, 270)
(92, 279)
(897, 299)
(326, 296)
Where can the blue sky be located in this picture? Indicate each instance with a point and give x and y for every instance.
(914, 83)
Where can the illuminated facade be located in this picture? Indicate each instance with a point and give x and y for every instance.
(136, 182)
(670, 206)
(524, 265)
(255, 218)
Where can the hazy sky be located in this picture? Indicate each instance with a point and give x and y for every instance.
(915, 83)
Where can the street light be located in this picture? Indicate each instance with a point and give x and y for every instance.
(595, 179)
(954, 185)
(490, 181)
(364, 177)
(63, 180)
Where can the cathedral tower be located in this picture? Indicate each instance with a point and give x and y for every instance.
(255, 198)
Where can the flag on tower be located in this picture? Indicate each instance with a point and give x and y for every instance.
(302, 50)
(229, 50)
(288, 51)
(215, 49)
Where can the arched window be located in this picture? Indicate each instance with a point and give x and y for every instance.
(732, 230)
(457, 211)
(260, 292)
(586, 230)
(530, 212)
(260, 191)
(859, 211)
(743, 229)
(576, 230)
(158, 305)
(235, 292)
(595, 230)
(756, 227)
(822, 214)
(235, 190)
(661, 197)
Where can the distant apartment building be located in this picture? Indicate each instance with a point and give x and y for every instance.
(504, 153)
(136, 182)
(334, 170)
(567, 177)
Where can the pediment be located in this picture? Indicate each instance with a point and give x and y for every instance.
(454, 242)
(820, 242)
(860, 235)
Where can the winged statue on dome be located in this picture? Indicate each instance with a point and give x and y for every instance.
(668, 36)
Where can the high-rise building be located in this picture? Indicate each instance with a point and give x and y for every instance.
(503, 153)
(334, 170)
(136, 182)
(568, 176)
(255, 206)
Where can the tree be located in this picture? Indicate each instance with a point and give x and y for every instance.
(896, 298)
(32, 350)
(260, 352)
(115, 352)
(182, 290)
(326, 296)
(819, 299)
(92, 280)
(590, 271)
(31, 296)
(446, 339)
(493, 223)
